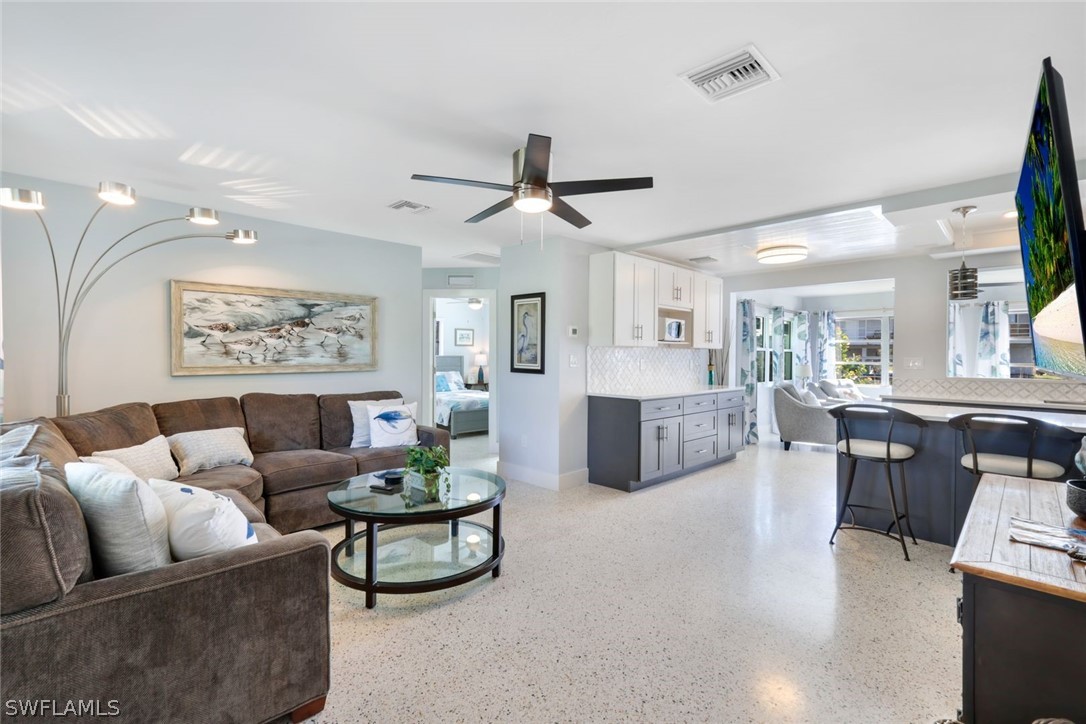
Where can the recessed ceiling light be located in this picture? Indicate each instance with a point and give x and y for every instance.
(1010, 215)
(782, 254)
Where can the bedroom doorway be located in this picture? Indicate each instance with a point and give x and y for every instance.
(459, 392)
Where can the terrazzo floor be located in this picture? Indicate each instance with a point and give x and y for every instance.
(712, 598)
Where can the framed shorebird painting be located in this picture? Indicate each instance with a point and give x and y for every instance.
(221, 329)
(528, 333)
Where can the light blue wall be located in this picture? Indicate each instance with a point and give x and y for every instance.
(120, 350)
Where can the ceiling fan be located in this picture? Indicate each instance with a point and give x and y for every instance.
(531, 190)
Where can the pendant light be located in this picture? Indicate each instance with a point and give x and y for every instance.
(963, 280)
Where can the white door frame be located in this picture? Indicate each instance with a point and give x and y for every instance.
(426, 411)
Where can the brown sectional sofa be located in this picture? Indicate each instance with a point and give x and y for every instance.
(235, 636)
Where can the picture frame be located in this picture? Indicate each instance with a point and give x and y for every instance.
(225, 329)
(528, 333)
(463, 337)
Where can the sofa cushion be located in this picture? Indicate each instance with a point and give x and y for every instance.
(207, 414)
(281, 422)
(42, 438)
(337, 425)
(44, 548)
(241, 478)
(372, 459)
(207, 449)
(296, 469)
(110, 428)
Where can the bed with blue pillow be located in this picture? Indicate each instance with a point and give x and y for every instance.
(456, 408)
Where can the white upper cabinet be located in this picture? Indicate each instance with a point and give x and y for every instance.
(621, 300)
(708, 312)
(676, 288)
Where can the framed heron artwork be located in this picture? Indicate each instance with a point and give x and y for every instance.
(221, 329)
(528, 333)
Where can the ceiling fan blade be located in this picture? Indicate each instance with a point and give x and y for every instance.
(462, 182)
(486, 214)
(599, 186)
(567, 213)
(537, 160)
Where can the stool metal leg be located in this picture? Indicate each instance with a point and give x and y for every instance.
(893, 509)
(844, 501)
(905, 500)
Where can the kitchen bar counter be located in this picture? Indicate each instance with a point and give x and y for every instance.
(940, 489)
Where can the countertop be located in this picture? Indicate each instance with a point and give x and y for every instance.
(942, 413)
(985, 549)
(986, 403)
(681, 392)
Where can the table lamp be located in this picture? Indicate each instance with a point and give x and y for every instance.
(480, 362)
(804, 372)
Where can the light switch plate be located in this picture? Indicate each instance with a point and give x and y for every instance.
(914, 363)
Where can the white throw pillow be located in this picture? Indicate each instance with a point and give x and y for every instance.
(126, 522)
(360, 416)
(393, 426)
(113, 466)
(150, 460)
(809, 398)
(206, 449)
(201, 522)
(456, 381)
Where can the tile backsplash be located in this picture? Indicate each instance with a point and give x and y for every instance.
(954, 388)
(645, 370)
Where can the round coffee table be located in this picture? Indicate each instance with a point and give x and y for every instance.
(414, 547)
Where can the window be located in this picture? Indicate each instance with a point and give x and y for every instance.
(865, 348)
(786, 355)
(1021, 344)
(761, 348)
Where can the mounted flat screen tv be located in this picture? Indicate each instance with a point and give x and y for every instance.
(1051, 232)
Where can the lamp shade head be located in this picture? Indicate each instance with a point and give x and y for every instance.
(804, 370)
(781, 254)
(962, 283)
(26, 199)
(114, 192)
(531, 199)
(242, 236)
(202, 216)
(480, 360)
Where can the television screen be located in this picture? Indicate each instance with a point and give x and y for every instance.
(1050, 230)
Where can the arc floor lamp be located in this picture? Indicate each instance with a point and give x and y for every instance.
(69, 302)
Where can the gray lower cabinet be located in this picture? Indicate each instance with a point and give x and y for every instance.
(636, 443)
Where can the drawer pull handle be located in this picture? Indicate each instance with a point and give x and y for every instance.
(701, 452)
(701, 424)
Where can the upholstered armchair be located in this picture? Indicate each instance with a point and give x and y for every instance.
(800, 420)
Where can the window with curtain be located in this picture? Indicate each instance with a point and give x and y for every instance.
(864, 346)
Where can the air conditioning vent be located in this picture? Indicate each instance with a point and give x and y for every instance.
(703, 259)
(413, 206)
(734, 73)
(480, 257)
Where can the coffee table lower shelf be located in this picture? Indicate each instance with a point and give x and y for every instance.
(415, 557)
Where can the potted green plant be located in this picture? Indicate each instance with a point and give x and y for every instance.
(428, 463)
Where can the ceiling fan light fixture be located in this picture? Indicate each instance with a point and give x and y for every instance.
(781, 254)
(531, 200)
(475, 303)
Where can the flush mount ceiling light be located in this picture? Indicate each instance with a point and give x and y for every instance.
(962, 282)
(70, 295)
(1010, 215)
(531, 199)
(475, 303)
(782, 254)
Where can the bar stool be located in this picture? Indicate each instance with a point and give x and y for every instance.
(860, 437)
(1014, 445)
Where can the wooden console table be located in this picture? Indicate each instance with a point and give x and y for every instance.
(1023, 612)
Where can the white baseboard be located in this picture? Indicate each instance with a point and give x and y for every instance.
(550, 481)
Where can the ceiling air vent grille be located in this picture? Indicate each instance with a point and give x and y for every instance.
(703, 259)
(412, 206)
(734, 73)
(480, 257)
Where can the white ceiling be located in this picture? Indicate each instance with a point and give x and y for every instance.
(317, 114)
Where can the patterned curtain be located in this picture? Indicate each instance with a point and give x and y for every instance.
(801, 338)
(745, 363)
(776, 352)
(719, 358)
(955, 342)
(827, 352)
(994, 343)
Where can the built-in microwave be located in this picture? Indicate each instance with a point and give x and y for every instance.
(672, 330)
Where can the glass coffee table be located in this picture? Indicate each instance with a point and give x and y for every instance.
(410, 546)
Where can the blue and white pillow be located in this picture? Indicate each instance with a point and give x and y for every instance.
(455, 380)
(393, 426)
(201, 522)
(441, 383)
